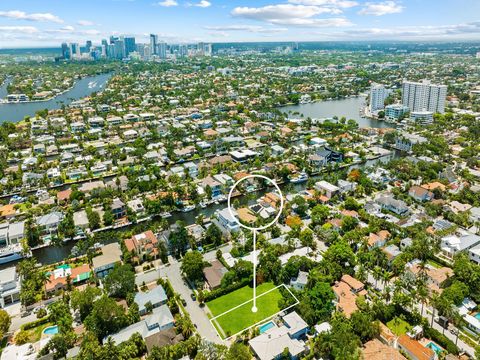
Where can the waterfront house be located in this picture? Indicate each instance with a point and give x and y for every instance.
(9, 286)
(104, 263)
(214, 185)
(226, 222)
(58, 278)
(326, 188)
(143, 245)
(118, 208)
(49, 223)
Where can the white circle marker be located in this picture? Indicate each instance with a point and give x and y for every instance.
(255, 229)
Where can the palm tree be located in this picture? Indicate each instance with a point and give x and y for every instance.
(377, 274)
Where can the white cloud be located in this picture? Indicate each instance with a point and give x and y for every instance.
(381, 8)
(289, 14)
(19, 29)
(247, 28)
(168, 3)
(202, 4)
(21, 15)
(333, 3)
(444, 32)
(85, 23)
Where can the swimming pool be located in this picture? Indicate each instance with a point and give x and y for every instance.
(434, 347)
(51, 330)
(266, 327)
(477, 316)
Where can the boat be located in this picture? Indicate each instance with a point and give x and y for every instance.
(11, 253)
(188, 208)
(202, 205)
(300, 178)
(165, 215)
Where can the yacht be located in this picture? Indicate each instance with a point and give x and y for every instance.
(188, 208)
(300, 178)
(165, 215)
(11, 253)
(203, 205)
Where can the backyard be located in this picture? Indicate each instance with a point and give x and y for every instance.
(240, 318)
(398, 326)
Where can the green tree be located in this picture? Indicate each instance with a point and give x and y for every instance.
(83, 300)
(120, 281)
(192, 265)
(238, 351)
(213, 235)
(107, 317)
(317, 303)
(320, 214)
(5, 322)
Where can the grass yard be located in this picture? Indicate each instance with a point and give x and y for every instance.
(243, 317)
(398, 326)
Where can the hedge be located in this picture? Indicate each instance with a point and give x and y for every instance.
(223, 291)
(442, 340)
(35, 323)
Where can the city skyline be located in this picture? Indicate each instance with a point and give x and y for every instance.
(28, 23)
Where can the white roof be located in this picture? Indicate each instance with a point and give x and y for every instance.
(270, 344)
(326, 185)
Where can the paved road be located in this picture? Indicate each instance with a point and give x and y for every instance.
(197, 314)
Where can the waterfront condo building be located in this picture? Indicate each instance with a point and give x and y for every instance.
(424, 96)
(378, 94)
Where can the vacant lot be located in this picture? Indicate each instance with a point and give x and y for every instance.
(242, 317)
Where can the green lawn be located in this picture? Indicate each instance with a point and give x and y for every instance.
(398, 326)
(242, 317)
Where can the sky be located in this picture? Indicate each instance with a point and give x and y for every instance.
(45, 23)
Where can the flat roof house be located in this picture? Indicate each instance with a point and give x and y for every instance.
(160, 319)
(9, 286)
(271, 344)
(157, 297)
(103, 264)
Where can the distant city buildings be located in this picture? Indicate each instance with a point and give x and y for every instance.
(126, 47)
(424, 96)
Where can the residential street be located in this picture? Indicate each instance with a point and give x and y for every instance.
(197, 314)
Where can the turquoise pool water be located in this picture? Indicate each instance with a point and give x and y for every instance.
(51, 330)
(477, 315)
(435, 347)
(266, 327)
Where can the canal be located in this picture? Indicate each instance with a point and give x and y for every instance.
(350, 108)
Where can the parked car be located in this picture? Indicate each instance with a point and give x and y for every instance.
(194, 298)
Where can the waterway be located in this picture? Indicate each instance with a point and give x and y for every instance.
(17, 111)
(349, 107)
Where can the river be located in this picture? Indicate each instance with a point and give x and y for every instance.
(349, 107)
(84, 87)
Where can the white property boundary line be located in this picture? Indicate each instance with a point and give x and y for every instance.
(258, 323)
